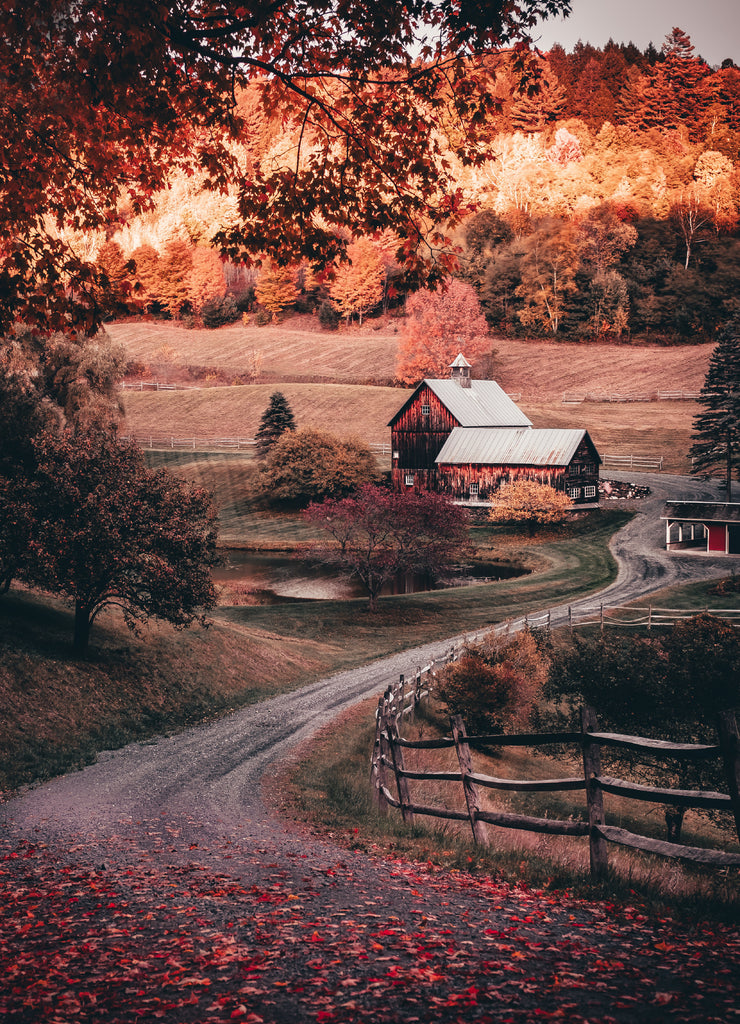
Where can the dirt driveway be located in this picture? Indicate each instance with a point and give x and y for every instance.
(157, 885)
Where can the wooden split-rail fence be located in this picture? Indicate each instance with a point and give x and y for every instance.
(388, 772)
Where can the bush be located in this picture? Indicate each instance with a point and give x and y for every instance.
(219, 311)
(328, 316)
(308, 465)
(262, 317)
(244, 299)
(496, 684)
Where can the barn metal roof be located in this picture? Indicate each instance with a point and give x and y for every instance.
(703, 511)
(513, 447)
(483, 404)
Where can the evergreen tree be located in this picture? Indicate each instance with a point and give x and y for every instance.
(276, 419)
(717, 428)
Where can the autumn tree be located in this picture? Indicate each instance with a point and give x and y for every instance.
(276, 288)
(717, 428)
(106, 97)
(109, 532)
(358, 283)
(206, 277)
(309, 465)
(146, 274)
(174, 270)
(548, 267)
(275, 420)
(668, 688)
(529, 503)
(438, 326)
(377, 534)
(495, 684)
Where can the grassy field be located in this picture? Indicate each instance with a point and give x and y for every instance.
(297, 351)
(338, 381)
(59, 711)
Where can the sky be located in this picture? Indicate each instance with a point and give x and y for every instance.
(713, 25)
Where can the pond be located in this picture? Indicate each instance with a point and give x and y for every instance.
(249, 578)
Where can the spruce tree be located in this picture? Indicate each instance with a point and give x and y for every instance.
(276, 419)
(717, 428)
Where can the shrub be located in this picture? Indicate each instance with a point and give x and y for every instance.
(496, 684)
(328, 316)
(219, 311)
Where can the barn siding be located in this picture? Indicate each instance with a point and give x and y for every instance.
(419, 439)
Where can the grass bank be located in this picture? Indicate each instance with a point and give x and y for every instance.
(59, 711)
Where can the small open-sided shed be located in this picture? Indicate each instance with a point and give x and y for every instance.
(710, 526)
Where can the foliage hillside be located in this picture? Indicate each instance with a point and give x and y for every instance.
(606, 206)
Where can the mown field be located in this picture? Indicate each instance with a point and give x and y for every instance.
(340, 381)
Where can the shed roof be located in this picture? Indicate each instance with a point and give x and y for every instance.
(483, 404)
(514, 447)
(703, 511)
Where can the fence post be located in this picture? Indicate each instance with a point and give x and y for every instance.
(570, 618)
(469, 787)
(650, 617)
(402, 687)
(376, 768)
(402, 784)
(602, 617)
(729, 742)
(594, 797)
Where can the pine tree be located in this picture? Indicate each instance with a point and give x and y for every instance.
(717, 429)
(276, 419)
(206, 277)
(146, 277)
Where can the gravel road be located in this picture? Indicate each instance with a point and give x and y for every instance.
(212, 774)
(192, 802)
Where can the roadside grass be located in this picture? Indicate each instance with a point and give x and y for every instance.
(59, 711)
(328, 787)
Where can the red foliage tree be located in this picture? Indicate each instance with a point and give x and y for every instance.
(438, 326)
(377, 534)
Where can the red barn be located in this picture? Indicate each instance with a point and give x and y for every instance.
(464, 438)
(710, 526)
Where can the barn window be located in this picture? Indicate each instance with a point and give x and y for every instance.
(474, 490)
(574, 492)
(396, 455)
(589, 492)
(409, 479)
(425, 409)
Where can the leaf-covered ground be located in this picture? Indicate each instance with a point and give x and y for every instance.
(175, 931)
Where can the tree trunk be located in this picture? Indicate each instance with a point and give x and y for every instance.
(82, 628)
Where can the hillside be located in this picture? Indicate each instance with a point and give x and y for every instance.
(297, 351)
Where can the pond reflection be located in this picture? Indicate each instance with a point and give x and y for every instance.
(249, 578)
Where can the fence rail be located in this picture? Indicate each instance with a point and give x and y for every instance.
(577, 397)
(647, 617)
(388, 757)
(164, 442)
(646, 462)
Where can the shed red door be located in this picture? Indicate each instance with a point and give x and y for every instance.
(717, 538)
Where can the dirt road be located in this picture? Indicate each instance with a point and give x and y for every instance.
(155, 884)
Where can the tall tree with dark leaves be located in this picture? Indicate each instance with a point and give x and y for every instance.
(717, 428)
(109, 532)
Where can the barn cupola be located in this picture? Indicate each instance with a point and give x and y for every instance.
(460, 371)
